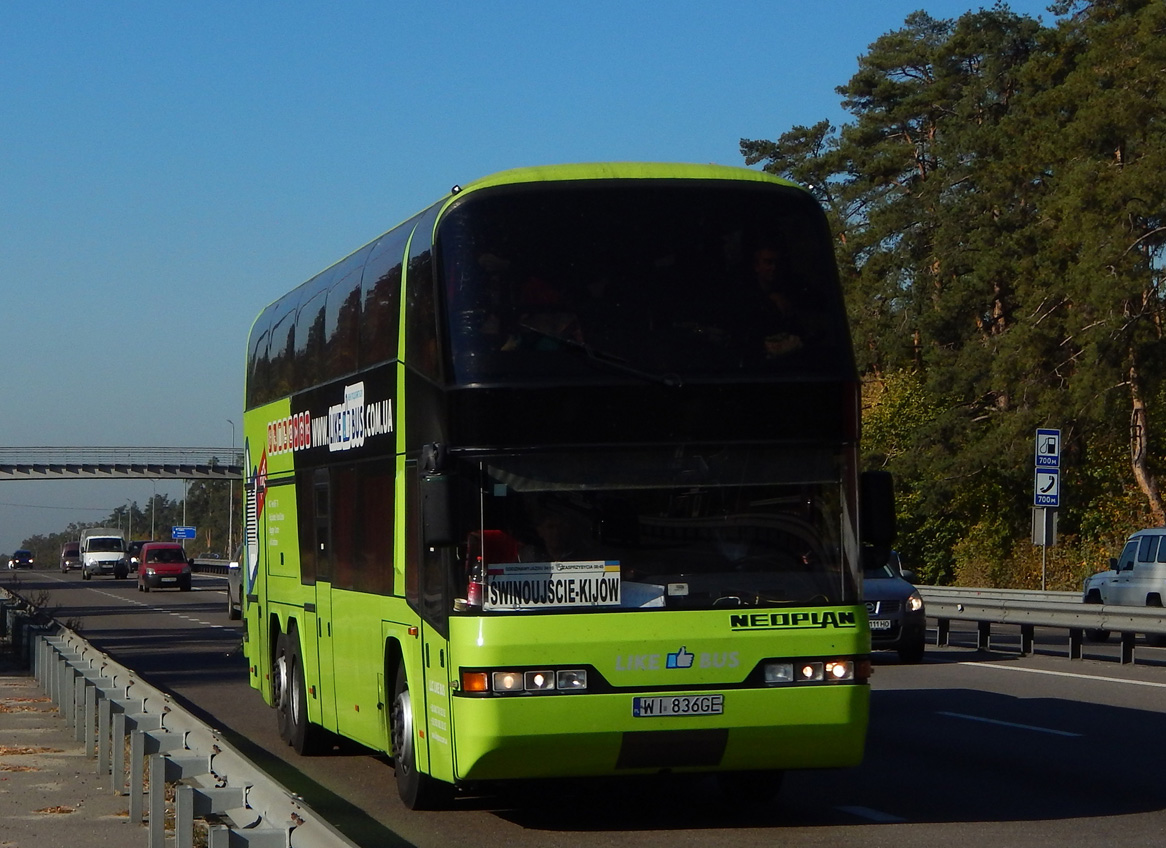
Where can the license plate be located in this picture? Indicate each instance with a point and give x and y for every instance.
(169, 579)
(880, 624)
(678, 705)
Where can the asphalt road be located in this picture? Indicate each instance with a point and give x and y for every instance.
(968, 748)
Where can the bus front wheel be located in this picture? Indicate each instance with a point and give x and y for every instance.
(418, 791)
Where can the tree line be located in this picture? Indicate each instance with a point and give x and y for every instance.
(998, 199)
(205, 508)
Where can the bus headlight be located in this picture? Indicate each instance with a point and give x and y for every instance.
(786, 672)
(571, 679)
(515, 682)
(780, 672)
(507, 681)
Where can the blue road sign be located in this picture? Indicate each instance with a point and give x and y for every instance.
(1048, 448)
(1047, 487)
(182, 532)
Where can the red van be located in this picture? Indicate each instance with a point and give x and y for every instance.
(163, 565)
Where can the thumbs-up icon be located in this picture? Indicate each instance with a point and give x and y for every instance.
(681, 659)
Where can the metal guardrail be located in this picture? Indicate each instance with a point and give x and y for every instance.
(211, 565)
(1030, 609)
(104, 703)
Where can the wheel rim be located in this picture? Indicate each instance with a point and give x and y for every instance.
(279, 681)
(294, 699)
(403, 732)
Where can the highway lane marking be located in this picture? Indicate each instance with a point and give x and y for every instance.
(1066, 674)
(174, 613)
(872, 815)
(1008, 724)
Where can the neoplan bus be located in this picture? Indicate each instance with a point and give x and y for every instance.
(558, 478)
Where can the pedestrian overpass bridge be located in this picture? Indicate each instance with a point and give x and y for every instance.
(120, 463)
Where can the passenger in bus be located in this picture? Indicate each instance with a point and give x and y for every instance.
(565, 534)
(765, 319)
(547, 320)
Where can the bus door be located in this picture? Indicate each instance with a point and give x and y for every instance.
(435, 662)
(321, 554)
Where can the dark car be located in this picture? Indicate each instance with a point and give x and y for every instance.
(71, 556)
(22, 559)
(894, 607)
(133, 554)
(163, 565)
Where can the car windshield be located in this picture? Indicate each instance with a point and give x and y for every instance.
(105, 545)
(166, 555)
(876, 572)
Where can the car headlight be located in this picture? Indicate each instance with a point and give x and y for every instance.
(914, 602)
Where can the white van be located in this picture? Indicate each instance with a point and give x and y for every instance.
(103, 551)
(1137, 577)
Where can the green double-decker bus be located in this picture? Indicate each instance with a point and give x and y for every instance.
(559, 478)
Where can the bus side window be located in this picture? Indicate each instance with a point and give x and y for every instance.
(381, 291)
(422, 344)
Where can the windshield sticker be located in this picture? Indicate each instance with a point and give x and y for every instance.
(535, 585)
(811, 620)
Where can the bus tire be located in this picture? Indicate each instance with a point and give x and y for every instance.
(308, 739)
(418, 791)
(280, 687)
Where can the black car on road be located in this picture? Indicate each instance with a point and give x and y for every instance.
(22, 559)
(894, 608)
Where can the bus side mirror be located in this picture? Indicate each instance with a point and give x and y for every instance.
(437, 510)
(876, 508)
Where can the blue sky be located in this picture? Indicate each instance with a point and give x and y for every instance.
(167, 169)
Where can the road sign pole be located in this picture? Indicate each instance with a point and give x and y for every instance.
(1046, 496)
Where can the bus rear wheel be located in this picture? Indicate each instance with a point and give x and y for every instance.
(280, 686)
(418, 791)
(307, 738)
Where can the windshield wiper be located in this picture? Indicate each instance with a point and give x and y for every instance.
(610, 360)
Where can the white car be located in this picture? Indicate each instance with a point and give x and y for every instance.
(1136, 578)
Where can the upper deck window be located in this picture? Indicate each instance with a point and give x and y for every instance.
(654, 280)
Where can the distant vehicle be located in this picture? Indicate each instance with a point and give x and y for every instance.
(898, 621)
(70, 556)
(235, 587)
(163, 566)
(103, 552)
(22, 559)
(1136, 578)
(133, 551)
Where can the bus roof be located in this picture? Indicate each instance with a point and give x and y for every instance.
(624, 171)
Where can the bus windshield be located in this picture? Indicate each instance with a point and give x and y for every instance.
(655, 529)
(659, 281)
